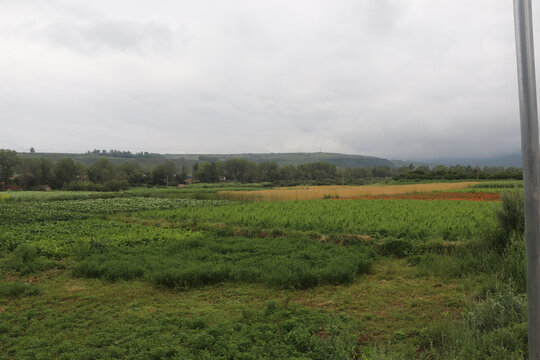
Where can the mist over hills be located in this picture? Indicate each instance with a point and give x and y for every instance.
(509, 160)
(148, 160)
(348, 161)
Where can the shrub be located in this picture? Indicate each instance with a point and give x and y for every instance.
(493, 329)
(510, 219)
(514, 263)
(26, 260)
(190, 277)
(497, 311)
(17, 289)
(396, 247)
(114, 185)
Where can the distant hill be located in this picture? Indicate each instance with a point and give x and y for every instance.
(89, 159)
(503, 160)
(349, 161)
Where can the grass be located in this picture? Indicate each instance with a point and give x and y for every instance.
(159, 277)
(88, 319)
(414, 220)
(201, 260)
(133, 318)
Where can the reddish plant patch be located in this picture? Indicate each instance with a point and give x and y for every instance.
(439, 196)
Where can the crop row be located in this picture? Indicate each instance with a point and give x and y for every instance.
(455, 220)
(58, 239)
(28, 211)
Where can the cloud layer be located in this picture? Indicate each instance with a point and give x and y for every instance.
(392, 78)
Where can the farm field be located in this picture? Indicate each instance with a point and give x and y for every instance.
(182, 274)
(467, 196)
(342, 192)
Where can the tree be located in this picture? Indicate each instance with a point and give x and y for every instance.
(208, 173)
(132, 172)
(181, 178)
(9, 161)
(35, 172)
(269, 170)
(170, 171)
(101, 171)
(32, 150)
(235, 169)
(64, 171)
(381, 171)
(163, 173)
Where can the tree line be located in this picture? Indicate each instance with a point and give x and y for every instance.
(69, 174)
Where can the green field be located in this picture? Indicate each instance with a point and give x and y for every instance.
(177, 274)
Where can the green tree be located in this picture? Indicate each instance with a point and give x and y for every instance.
(64, 171)
(181, 177)
(235, 169)
(9, 161)
(132, 172)
(101, 171)
(163, 173)
(35, 172)
(269, 171)
(208, 172)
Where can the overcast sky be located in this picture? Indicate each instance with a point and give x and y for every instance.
(390, 78)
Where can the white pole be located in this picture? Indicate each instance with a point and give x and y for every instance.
(530, 154)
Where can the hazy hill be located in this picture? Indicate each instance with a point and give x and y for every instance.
(503, 160)
(349, 161)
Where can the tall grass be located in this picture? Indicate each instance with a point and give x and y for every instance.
(200, 261)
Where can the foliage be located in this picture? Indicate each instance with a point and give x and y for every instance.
(202, 256)
(9, 160)
(25, 260)
(380, 218)
(514, 263)
(199, 261)
(18, 289)
(100, 166)
(510, 218)
(493, 329)
(396, 247)
(29, 211)
(278, 331)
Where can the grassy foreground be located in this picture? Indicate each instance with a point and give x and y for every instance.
(160, 277)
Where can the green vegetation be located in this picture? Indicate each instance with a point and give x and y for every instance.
(457, 220)
(160, 273)
(114, 170)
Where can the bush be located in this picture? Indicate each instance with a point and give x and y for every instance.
(110, 269)
(493, 329)
(18, 289)
(26, 260)
(510, 219)
(396, 247)
(197, 261)
(514, 263)
(191, 277)
(112, 185)
(497, 311)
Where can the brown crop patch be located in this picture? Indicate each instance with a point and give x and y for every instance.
(340, 192)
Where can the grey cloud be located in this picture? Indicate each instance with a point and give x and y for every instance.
(110, 35)
(389, 78)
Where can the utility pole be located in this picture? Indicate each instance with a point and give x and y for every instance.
(531, 165)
